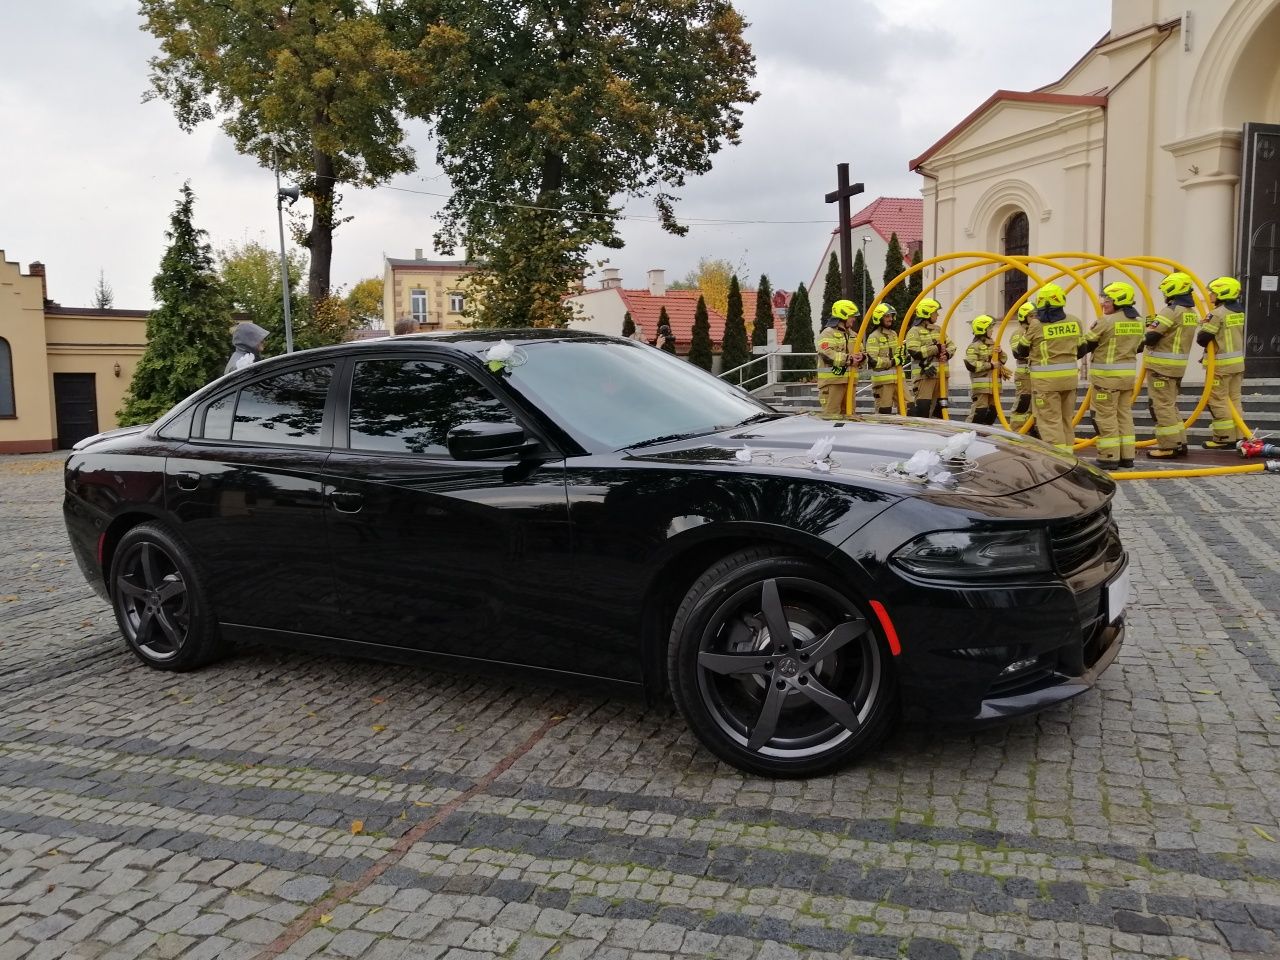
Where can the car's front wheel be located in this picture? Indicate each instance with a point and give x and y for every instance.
(159, 601)
(776, 669)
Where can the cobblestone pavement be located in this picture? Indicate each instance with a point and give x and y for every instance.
(215, 814)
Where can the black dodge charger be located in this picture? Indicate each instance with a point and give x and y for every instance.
(585, 506)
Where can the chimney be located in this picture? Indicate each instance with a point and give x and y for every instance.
(657, 283)
(37, 270)
(610, 278)
(417, 253)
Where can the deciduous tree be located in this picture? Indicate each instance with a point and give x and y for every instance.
(735, 350)
(250, 274)
(364, 302)
(764, 313)
(711, 278)
(318, 82)
(189, 331)
(549, 115)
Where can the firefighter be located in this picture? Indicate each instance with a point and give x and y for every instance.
(1022, 375)
(927, 349)
(1224, 326)
(884, 358)
(837, 364)
(1168, 338)
(1053, 338)
(1114, 341)
(985, 362)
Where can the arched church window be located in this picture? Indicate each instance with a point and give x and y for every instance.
(7, 408)
(1015, 240)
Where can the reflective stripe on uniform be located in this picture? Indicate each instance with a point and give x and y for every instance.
(1180, 357)
(1166, 431)
(1106, 443)
(1224, 425)
(1051, 368)
(1064, 447)
(891, 377)
(1122, 367)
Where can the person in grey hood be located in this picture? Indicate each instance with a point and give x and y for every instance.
(247, 340)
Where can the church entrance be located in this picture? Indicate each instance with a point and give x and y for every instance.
(1015, 242)
(1259, 253)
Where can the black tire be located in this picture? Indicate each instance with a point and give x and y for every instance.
(765, 707)
(159, 601)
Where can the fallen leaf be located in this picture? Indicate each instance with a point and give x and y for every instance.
(357, 827)
(9, 599)
(378, 727)
(1264, 835)
(421, 803)
(1208, 693)
(326, 919)
(459, 728)
(379, 699)
(50, 888)
(374, 910)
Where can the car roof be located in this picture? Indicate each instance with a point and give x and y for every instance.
(463, 341)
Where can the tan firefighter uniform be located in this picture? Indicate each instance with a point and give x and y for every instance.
(1021, 378)
(884, 360)
(1113, 342)
(1225, 327)
(1053, 344)
(836, 367)
(1170, 334)
(925, 346)
(984, 360)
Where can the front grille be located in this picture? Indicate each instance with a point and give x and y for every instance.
(1077, 541)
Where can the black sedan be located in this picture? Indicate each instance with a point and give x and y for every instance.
(585, 506)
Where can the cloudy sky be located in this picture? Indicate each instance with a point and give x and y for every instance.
(89, 173)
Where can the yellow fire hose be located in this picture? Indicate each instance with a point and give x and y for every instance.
(1078, 276)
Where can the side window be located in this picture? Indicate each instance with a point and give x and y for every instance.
(217, 418)
(409, 406)
(179, 428)
(284, 409)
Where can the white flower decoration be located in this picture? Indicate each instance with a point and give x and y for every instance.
(744, 455)
(821, 448)
(957, 447)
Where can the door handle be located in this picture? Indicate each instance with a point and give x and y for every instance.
(346, 501)
(188, 480)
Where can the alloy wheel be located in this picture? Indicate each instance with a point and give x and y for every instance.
(788, 668)
(153, 602)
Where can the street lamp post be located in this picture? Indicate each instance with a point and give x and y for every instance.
(282, 194)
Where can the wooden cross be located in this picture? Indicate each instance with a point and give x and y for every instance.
(845, 190)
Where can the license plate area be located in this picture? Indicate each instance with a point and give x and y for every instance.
(1118, 596)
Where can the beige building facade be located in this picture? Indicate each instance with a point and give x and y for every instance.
(1159, 141)
(424, 294)
(64, 371)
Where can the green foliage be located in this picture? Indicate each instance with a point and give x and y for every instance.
(700, 340)
(250, 276)
(864, 290)
(735, 350)
(916, 282)
(628, 325)
(831, 291)
(900, 296)
(189, 331)
(548, 116)
(799, 335)
(320, 81)
(364, 302)
(764, 313)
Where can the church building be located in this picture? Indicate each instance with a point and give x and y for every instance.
(1163, 140)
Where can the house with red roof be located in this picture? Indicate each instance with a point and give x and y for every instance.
(872, 227)
(602, 309)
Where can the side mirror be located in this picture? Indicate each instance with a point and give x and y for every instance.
(478, 440)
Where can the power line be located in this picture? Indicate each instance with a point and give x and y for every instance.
(691, 221)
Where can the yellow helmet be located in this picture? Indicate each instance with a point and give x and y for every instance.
(1025, 311)
(927, 307)
(883, 310)
(1119, 293)
(1051, 295)
(844, 309)
(1225, 288)
(1176, 284)
(981, 324)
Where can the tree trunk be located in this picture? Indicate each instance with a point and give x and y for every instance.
(320, 239)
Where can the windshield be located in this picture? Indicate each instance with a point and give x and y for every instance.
(618, 393)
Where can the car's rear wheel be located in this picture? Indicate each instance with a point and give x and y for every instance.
(776, 669)
(160, 603)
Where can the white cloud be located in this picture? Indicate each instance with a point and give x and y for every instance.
(89, 173)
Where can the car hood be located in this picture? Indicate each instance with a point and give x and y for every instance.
(864, 450)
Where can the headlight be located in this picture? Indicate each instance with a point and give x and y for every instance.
(975, 553)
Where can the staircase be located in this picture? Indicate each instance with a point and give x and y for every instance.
(1261, 401)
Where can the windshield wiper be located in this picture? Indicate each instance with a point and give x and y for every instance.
(762, 417)
(671, 437)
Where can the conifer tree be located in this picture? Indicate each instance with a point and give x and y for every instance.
(916, 283)
(863, 289)
(900, 296)
(764, 313)
(735, 350)
(700, 340)
(189, 331)
(799, 336)
(831, 288)
(628, 325)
